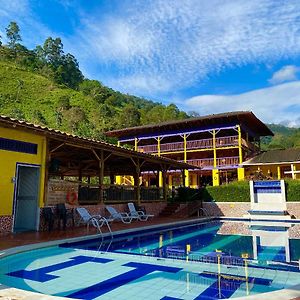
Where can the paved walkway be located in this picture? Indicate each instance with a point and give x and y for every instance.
(10, 240)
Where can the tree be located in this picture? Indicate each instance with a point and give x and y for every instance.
(63, 103)
(129, 117)
(0, 41)
(73, 117)
(13, 35)
(51, 52)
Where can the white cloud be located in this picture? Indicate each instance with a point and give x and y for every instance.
(275, 104)
(184, 42)
(32, 31)
(286, 73)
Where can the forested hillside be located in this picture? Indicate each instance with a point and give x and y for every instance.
(45, 86)
(284, 137)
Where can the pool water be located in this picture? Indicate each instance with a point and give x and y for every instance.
(168, 264)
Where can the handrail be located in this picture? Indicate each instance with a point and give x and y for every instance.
(205, 212)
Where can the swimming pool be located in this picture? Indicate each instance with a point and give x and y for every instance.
(168, 263)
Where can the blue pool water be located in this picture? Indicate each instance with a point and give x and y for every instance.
(168, 263)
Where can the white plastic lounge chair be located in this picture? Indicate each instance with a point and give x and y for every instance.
(96, 220)
(115, 215)
(140, 215)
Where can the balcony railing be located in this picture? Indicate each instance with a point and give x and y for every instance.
(209, 162)
(194, 144)
(118, 193)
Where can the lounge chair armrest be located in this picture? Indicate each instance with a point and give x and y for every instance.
(124, 214)
(140, 212)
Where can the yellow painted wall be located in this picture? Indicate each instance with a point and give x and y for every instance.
(272, 169)
(8, 160)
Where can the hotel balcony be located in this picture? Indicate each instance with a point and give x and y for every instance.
(208, 163)
(221, 142)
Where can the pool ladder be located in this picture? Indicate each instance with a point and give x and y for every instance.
(205, 212)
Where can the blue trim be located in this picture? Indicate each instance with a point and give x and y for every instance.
(174, 133)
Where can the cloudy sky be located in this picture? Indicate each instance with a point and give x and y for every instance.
(205, 56)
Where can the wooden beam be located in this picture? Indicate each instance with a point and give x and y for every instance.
(54, 149)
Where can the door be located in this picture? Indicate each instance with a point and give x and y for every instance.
(26, 210)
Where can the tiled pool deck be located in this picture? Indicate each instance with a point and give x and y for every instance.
(22, 239)
(10, 240)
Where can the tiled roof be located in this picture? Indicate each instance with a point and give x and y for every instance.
(54, 133)
(246, 118)
(275, 156)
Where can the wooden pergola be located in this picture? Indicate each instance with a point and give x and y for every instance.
(68, 155)
(77, 157)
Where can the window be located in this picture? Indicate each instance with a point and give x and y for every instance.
(18, 146)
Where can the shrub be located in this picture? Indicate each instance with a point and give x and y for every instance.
(240, 192)
(232, 192)
(292, 190)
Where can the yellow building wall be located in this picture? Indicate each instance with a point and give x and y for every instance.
(272, 170)
(8, 161)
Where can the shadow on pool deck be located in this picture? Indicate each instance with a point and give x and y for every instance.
(9, 240)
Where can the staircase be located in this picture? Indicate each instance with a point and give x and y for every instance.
(190, 209)
(169, 210)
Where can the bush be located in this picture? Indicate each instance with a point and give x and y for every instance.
(292, 190)
(232, 192)
(240, 192)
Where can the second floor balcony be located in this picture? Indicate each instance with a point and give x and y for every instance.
(208, 163)
(221, 142)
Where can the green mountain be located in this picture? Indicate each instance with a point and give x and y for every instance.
(284, 137)
(88, 111)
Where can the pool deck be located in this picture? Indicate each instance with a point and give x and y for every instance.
(10, 240)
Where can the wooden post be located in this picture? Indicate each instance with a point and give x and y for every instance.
(183, 178)
(137, 182)
(46, 178)
(101, 176)
(164, 179)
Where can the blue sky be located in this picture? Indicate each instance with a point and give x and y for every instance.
(205, 56)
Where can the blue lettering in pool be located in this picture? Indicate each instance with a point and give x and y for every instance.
(140, 270)
(41, 274)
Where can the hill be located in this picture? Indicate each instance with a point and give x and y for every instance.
(46, 86)
(88, 111)
(284, 137)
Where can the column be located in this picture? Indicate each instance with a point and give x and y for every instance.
(164, 184)
(118, 177)
(240, 170)
(216, 177)
(137, 183)
(215, 171)
(160, 177)
(136, 144)
(101, 176)
(278, 172)
(186, 172)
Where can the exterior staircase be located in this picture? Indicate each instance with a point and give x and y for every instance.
(169, 210)
(190, 209)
